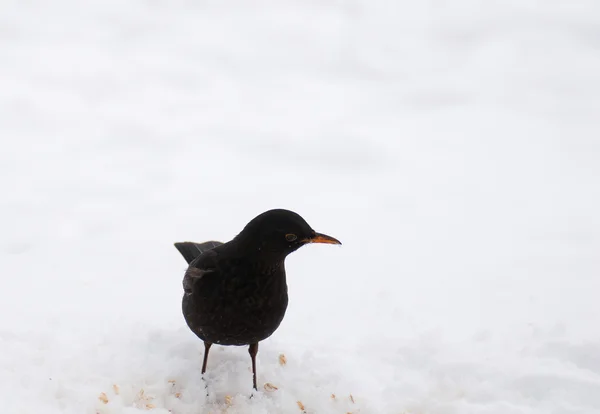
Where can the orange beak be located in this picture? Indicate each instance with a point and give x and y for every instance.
(322, 238)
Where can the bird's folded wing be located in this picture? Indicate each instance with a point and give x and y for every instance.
(199, 267)
(192, 275)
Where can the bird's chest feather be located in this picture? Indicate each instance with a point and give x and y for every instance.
(244, 289)
(236, 308)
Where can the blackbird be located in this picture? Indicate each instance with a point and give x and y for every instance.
(235, 293)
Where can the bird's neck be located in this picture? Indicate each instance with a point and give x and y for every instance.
(259, 252)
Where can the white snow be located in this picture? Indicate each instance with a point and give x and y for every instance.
(453, 147)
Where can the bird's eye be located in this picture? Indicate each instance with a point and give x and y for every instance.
(290, 237)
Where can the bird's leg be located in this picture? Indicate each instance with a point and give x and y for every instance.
(206, 349)
(253, 350)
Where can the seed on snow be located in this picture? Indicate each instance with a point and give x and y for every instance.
(270, 387)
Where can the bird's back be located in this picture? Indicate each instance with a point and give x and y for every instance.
(191, 250)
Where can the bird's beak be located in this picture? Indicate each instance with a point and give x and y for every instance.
(322, 238)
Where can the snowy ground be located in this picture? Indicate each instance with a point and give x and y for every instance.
(452, 146)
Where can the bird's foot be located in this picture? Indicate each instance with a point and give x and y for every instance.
(205, 386)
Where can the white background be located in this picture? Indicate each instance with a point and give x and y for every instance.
(453, 147)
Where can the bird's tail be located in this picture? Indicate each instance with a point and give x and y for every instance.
(190, 250)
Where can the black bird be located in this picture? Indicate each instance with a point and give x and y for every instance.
(235, 293)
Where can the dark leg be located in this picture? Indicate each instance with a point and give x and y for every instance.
(253, 350)
(206, 349)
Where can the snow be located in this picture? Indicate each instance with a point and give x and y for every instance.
(451, 146)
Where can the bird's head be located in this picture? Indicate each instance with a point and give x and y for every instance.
(280, 232)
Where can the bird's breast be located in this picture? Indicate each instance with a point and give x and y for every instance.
(237, 307)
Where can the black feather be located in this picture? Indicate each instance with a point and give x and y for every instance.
(190, 250)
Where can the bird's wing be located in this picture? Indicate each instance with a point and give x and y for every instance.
(192, 275)
(202, 265)
(191, 251)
